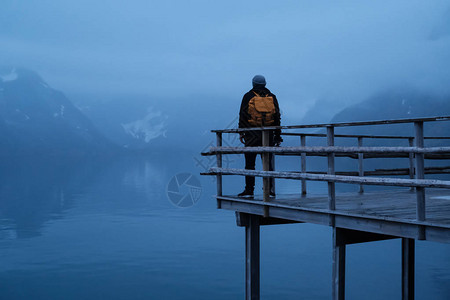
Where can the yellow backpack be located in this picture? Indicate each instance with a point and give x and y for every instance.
(261, 110)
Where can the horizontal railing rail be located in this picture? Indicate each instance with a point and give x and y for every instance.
(430, 156)
(389, 172)
(331, 149)
(342, 124)
(430, 183)
(365, 136)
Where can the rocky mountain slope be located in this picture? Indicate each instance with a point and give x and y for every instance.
(36, 119)
(397, 104)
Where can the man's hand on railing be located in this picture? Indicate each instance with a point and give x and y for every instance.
(278, 140)
(241, 138)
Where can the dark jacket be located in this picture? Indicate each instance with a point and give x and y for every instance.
(244, 116)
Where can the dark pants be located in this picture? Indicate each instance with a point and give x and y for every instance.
(250, 160)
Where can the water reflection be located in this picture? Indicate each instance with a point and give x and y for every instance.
(33, 192)
(36, 191)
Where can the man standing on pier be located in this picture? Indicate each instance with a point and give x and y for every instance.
(259, 108)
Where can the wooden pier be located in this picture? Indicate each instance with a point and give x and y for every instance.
(417, 209)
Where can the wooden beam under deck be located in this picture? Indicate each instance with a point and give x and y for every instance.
(386, 213)
(242, 220)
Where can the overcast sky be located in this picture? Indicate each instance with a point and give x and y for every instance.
(307, 50)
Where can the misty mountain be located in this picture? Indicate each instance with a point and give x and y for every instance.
(394, 104)
(130, 122)
(322, 111)
(37, 119)
(397, 104)
(149, 123)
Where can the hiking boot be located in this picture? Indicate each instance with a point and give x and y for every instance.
(246, 193)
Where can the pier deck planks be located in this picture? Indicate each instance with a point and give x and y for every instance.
(382, 209)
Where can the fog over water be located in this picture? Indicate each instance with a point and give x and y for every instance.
(307, 50)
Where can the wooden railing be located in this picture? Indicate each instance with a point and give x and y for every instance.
(416, 154)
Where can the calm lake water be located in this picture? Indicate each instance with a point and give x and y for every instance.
(106, 229)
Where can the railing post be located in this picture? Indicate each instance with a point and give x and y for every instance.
(219, 165)
(360, 164)
(266, 167)
(331, 171)
(420, 174)
(303, 162)
(411, 161)
(272, 180)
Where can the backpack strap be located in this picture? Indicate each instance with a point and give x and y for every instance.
(265, 95)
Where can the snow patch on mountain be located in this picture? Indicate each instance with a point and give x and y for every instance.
(11, 76)
(148, 128)
(60, 113)
(22, 114)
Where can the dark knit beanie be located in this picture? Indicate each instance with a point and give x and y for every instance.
(259, 80)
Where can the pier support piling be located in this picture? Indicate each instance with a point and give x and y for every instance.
(338, 275)
(341, 238)
(252, 259)
(408, 261)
